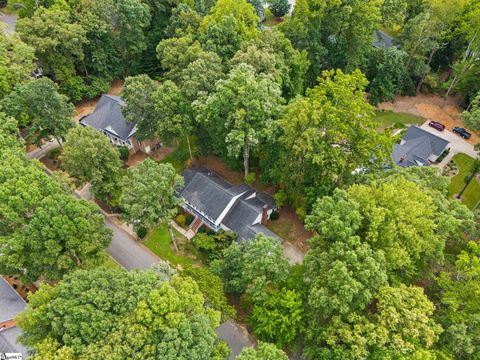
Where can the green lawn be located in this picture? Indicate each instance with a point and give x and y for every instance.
(158, 241)
(471, 195)
(110, 263)
(389, 118)
(180, 157)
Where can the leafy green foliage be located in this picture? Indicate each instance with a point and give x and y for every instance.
(38, 105)
(265, 351)
(81, 316)
(63, 234)
(211, 287)
(88, 156)
(241, 109)
(472, 117)
(243, 12)
(9, 139)
(320, 148)
(214, 244)
(279, 318)
(459, 308)
(139, 106)
(279, 7)
(148, 196)
(16, 62)
(401, 326)
(252, 266)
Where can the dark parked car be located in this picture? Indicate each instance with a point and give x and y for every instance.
(462, 132)
(437, 125)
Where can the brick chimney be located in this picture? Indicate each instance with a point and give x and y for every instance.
(264, 214)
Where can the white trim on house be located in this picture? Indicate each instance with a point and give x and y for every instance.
(227, 209)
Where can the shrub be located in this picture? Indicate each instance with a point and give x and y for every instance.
(189, 219)
(180, 220)
(274, 215)
(214, 244)
(124, 152)
(54, 153)
(280, 198)
(141, 232)
(279, 7)
(250, 178)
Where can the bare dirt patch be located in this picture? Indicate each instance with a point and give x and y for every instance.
(429, 107)
(290, 228)
(214, 163)
(86, 107)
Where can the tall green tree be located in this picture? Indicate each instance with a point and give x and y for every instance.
(472, 116)
(132, 18)
(80, 317)
(265, 351)
(252, 266)
(242, 107)
(278, 319)
(459, 309)
(174, 116)
(279, 7)
(401, 327)
(62, 235)
(243, 12)
(222, 37)
(16, 63)
(9, 135)
(38, 105)
(148, 196)
(89, 156)
(58, 43)
(139, 106)
(325, 136)
(23, 187)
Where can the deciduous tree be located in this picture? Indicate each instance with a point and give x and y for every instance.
(148, 196)
(265, 351)
(472, 116)
(16, 62)
(38, 105)
(62, 235)
(81, 317)
(88, 156)
(241, 108)
(139, 105)
(279, 7)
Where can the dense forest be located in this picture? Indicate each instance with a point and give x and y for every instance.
(393, 267)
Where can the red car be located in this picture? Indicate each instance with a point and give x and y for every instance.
(437, 125)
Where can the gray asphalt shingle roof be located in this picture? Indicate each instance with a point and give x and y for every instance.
(9, 343)
(211, 194)
(108, 117)
(382, 40)
(417, 147)
(207, 192)
(11, 304)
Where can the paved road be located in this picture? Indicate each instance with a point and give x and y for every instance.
(126, 251)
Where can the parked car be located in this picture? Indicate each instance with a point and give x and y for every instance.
(436, 125)
(462, 132)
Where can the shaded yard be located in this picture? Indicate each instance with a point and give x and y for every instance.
(110, 263)
(389, 118)
(471, 196)
(159, 242)
(290, 228)
(180, 157)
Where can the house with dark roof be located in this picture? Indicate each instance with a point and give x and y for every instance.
(219, 205)
(11, 304)
(109, 120)
(382, 40)
(418, 147)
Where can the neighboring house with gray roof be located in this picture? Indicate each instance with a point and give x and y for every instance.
(108, 119)
(11, 304)
(219, 205)
(418, 147)
(382, 40)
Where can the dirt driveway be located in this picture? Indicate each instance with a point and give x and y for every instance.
(429, 107)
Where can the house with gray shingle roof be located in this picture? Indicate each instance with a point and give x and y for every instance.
(108, 119)
(418, 147)
(382, 40)
(11, 304)
(219, 205)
